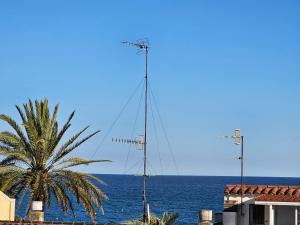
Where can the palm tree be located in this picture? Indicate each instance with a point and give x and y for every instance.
(154, 220)
(167, 219)
(37, 165)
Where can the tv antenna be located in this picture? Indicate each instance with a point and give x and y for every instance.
(138, 142)
(143, 47)
(239, 140)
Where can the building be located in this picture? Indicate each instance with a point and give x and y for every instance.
(7, 208)
(262, 205)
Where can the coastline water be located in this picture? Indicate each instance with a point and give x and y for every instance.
(185, 195)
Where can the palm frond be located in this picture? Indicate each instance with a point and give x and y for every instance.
(35, 165)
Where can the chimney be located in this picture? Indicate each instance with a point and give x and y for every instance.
(205, 217)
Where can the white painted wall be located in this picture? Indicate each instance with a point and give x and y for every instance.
(269, 215)
(237, 198)
(276, 213)
(244, 220)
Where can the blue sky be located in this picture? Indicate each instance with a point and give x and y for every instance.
(213, 66)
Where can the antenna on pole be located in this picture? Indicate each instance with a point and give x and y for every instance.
(138, 142)
(239, 140)
(141, 43)
(143, 47)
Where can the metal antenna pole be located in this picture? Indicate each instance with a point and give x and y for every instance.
(239, 140)
(144, 47)
(242, 172)
(145, 136)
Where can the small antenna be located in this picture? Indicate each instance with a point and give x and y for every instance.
(139, 141)
(239, 140)
(142, 45)
(236, 136)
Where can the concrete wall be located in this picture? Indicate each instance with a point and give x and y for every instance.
(229, 218)
(244, 220)
(7, 207)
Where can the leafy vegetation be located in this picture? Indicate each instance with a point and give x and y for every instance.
(37, 165)
(167, 219)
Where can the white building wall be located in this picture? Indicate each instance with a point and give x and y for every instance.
(269, 215)
(296, 215)
(276, 213)
(242, 220)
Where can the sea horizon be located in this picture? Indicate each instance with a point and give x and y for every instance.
(187, 175)
(185, 195)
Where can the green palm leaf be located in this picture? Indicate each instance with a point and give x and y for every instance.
(35, 164)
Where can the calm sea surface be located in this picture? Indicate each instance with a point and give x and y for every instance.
(185, 195)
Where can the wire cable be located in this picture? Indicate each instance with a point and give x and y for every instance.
(116, 119)
(164, 130)
(156, 135)
(133, 129)
(154, 172)
(134, 165)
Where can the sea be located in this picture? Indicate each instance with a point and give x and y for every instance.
(185, 195)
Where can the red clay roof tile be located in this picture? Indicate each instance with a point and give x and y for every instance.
(277, 198)
(297, 192)
(267, 192)
(258, 190)
(236, 189)
(251, 189)
(283, 190)
(274, 190)
(291, 191)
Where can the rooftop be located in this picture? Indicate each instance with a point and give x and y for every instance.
(271, 193)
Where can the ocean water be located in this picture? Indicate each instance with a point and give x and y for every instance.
(185, 195)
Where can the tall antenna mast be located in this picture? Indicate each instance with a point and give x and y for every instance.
(143, 47)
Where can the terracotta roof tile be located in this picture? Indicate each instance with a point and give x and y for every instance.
(283, 190)
(297, 192)
(227, 190)
(277, 198)
(267, 192)
(274, 190)
(236, 189)
(259, 189)
(251, 189)
(291, 191)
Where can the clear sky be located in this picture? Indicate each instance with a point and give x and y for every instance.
(213, 66)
